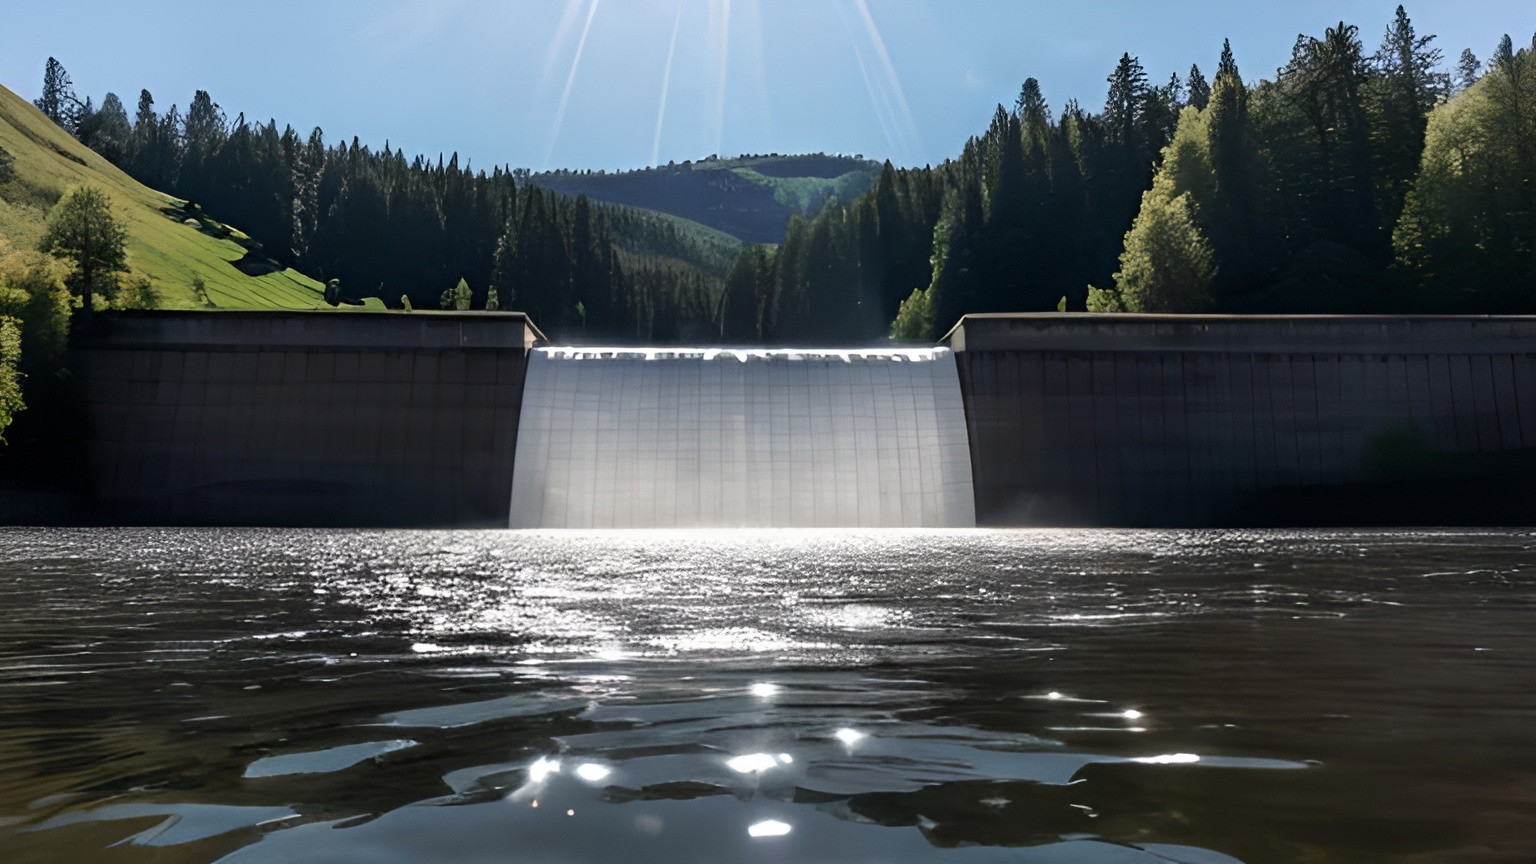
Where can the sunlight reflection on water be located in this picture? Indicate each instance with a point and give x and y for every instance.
(265, 696)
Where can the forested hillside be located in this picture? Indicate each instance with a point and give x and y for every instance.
(409, 229)
(750, 197)
(1350, 181)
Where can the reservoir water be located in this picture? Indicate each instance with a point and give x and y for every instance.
(1049, 697)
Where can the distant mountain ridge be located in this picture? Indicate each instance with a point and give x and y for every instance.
(749, 197)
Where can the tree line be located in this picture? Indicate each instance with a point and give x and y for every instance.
(1351, 181)
(407, 231)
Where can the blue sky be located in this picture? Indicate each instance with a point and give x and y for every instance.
(622, 83)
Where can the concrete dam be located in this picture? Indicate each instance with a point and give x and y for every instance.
(462, 419)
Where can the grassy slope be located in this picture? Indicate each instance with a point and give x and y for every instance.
(48, 161)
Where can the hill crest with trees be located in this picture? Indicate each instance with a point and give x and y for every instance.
(749, 197)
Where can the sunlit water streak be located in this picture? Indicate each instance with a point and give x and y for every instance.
(1037, 696)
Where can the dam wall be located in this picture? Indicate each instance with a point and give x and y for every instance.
(413, 419)
(1153, 420)
(304, 418)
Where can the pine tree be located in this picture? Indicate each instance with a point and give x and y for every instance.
(58, 102)
(106, 130)
(1468, 68)
(1227, 64)
(1197, 88)
(1407, 86)
(1031, 102)
(1233, 216)
(1124, 107)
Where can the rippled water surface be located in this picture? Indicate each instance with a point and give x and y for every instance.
(1022, 696)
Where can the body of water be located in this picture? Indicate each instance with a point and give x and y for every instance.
(1026, 696)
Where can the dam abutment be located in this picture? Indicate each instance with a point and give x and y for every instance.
(305, 418)
(1168, 421)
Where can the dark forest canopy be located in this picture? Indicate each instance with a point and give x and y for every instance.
(1356, 179)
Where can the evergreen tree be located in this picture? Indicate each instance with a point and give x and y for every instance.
(1468, 68)
(1234, 214)
(1407, 85)
(1126, 103)
(106, 130)
(1227, 64)
(1197, 88)
(144, 157)
(1317, 131)
(744, 287)
(58, 102)
(1031, 103)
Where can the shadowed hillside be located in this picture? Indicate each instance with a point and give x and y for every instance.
(750, 198)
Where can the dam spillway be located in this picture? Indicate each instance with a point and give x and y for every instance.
(681, 438)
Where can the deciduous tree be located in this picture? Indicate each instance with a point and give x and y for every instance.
(84, 234)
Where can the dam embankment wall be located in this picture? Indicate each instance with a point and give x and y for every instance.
(304, 418)
(391, 419)
(1152, 420)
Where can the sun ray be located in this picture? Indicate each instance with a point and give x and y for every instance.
(906, 126)
(722, 33)
(666, 84)
(752, 29)
(879, 102)
(558, 42)
(570, 81)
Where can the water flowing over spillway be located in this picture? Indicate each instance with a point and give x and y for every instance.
(682, 438)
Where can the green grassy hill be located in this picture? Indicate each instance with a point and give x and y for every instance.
(750, 198)
(168, 245)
